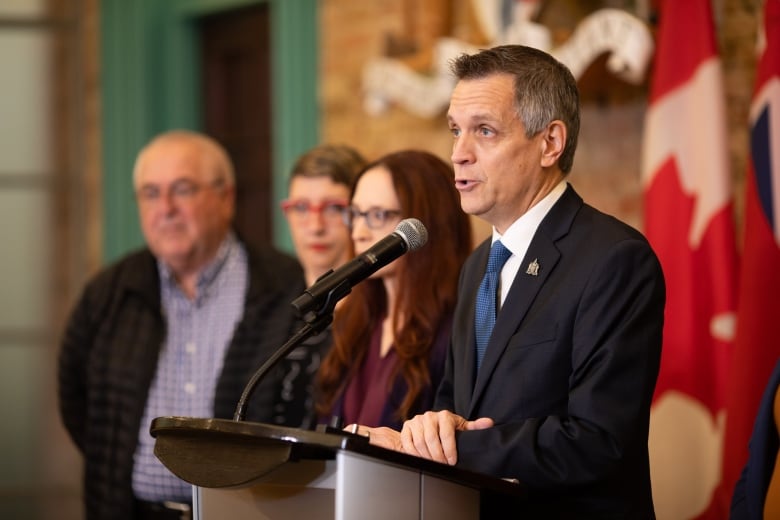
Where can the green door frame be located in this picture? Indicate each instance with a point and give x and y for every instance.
(150, 83)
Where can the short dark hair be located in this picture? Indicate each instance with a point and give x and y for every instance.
(341, 163)
(545, 89)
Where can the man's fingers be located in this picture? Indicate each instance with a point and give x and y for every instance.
(412, 438)
(420, 437)
(432, 435)
(434, 429)
(479, 424)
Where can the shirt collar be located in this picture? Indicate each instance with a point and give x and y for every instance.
(518, 235)
(209, 273)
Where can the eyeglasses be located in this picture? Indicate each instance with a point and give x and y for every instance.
(331, 210)
(375, 217)
(181, 190)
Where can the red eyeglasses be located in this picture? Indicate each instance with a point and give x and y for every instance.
(332, 210)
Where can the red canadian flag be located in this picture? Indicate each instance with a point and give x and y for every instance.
(757, 346)
(688, 218)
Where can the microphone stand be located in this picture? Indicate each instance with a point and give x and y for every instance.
(316, 322)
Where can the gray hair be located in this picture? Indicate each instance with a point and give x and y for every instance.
(545, 89)
(209, 147)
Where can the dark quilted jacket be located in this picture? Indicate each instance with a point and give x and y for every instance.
(109, 352)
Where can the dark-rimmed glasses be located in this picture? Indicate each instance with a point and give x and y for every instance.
(331, 210)
(181, 190)
(375, 217)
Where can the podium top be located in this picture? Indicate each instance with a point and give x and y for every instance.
(221, 453)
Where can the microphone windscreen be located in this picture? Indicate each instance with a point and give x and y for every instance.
(413, 232)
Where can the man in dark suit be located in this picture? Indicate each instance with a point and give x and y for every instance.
(560, 400)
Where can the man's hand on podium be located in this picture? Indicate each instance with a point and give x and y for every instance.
(430, 435)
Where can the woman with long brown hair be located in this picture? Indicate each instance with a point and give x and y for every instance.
(390, 336)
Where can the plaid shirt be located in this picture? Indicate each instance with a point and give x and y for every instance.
(199, 332)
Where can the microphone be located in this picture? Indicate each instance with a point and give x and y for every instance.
(318, 301)
(409, 235)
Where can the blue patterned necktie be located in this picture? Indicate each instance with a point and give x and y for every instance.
(485, 315)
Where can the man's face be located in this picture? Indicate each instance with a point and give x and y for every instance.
(314, 211)
(185, 209)
(497, 169)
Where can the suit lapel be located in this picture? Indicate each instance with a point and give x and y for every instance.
(473, 272)
(541, 258)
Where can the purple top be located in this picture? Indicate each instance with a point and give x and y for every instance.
(367, 392)
(375, 392)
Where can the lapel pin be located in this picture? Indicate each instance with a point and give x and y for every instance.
(533, 268)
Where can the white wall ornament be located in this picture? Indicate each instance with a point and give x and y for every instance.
(625, 37)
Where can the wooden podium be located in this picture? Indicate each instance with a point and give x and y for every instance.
(246, 470)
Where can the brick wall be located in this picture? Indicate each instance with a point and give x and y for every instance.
(606, 170)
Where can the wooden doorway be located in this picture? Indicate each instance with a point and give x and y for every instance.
(236, 86)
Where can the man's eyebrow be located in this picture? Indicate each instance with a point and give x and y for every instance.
(174, 181)
(479, 118)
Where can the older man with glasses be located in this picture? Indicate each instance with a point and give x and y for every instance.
(176, 328)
